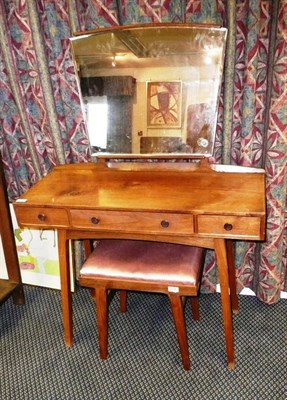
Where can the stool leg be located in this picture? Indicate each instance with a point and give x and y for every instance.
(195, 307)
(102, 319)
(123, 301)
(178, 317)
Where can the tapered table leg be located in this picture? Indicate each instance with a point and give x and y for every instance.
(232, 276)
(65, 278)
(221, 255)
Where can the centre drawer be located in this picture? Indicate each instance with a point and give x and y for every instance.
(141, 222)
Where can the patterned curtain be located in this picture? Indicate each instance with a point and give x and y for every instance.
(42, 125)
(41, 122)
(255, 127)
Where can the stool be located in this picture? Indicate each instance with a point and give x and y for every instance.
(138, 265)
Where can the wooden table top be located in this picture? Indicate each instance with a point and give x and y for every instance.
(218, 189)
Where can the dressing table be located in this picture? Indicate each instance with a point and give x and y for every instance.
(183, 200)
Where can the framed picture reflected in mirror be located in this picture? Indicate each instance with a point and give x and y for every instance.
(164, 104)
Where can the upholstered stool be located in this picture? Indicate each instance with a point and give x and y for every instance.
(172, 269)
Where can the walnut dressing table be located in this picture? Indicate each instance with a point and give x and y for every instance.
(194, 204)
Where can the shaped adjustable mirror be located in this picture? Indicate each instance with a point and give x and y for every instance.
(151, 89)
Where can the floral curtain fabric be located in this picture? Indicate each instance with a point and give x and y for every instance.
(255, 131)
(42, 123)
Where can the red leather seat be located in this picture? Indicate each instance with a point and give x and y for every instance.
(172, 269)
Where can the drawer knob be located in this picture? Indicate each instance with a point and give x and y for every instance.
(164, 224)
(95, 220)
(228, 227)
(42, 217)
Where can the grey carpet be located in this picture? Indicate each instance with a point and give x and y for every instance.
(144, 361)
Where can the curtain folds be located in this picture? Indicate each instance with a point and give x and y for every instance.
(42, 123)
(41, 118)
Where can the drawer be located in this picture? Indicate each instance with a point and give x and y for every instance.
(139, 222)
(229, 226)
(41, 216)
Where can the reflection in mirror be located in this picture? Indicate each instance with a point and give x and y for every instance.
(151, 88)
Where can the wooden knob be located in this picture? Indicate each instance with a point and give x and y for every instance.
(164, 224)
(42, 217)
(228, 227)
(95, 220)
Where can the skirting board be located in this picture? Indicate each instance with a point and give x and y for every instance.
(250, 292)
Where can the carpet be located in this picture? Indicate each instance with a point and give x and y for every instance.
(144, 360)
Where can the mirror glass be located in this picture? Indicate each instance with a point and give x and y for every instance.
(151, 89)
